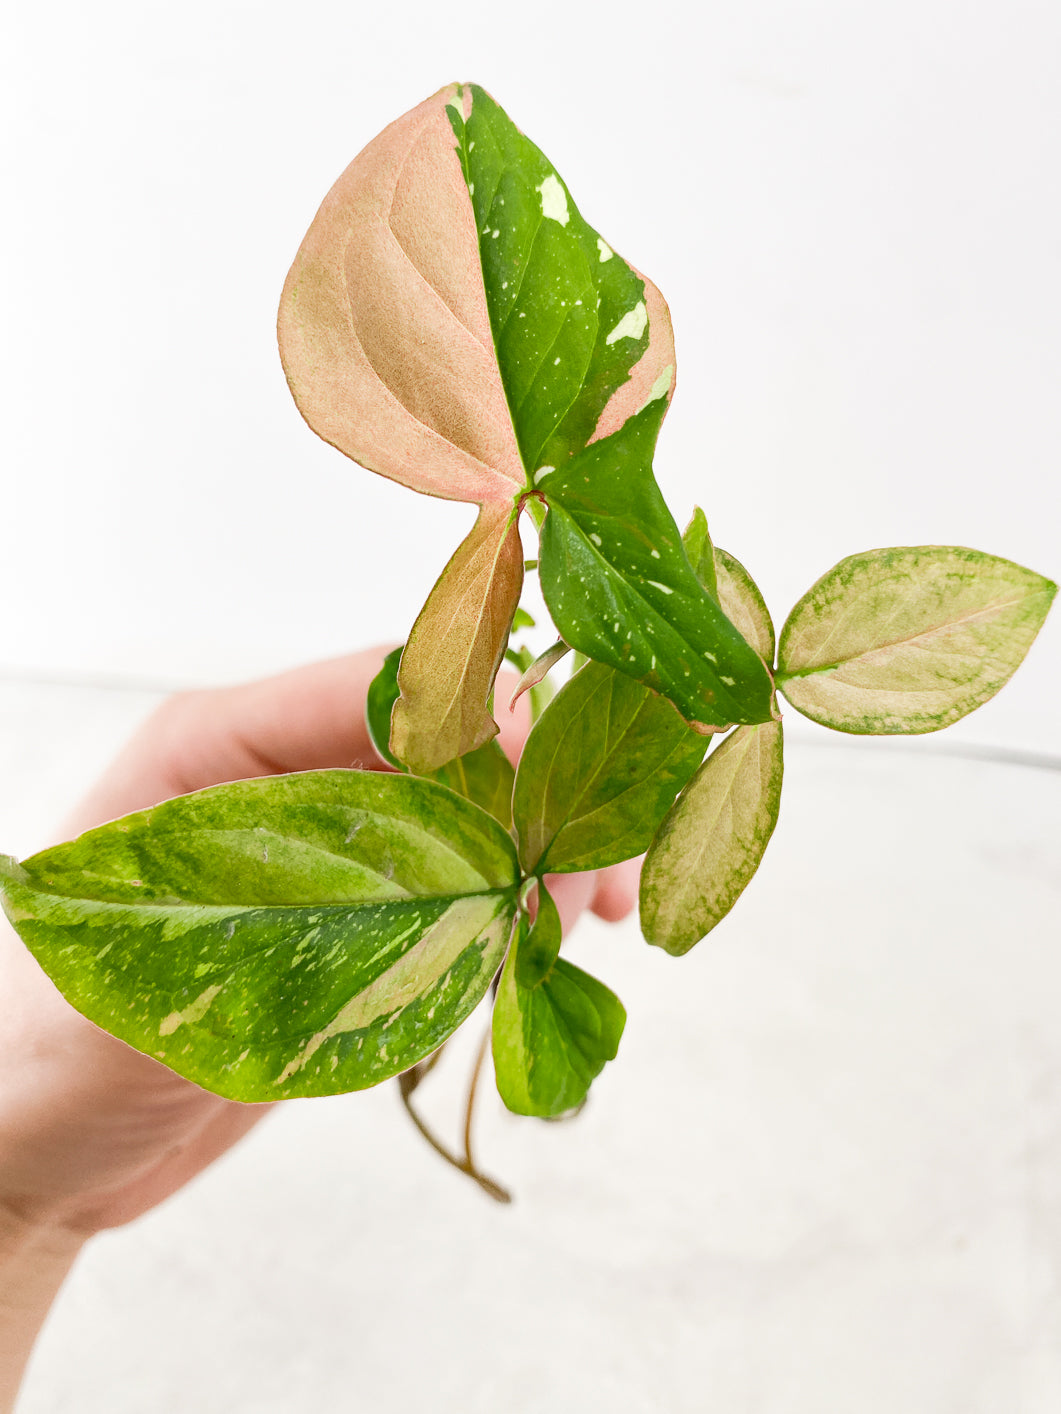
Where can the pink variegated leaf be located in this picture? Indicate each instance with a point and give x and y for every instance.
(453, 323)
(383, 326)
(456, 645)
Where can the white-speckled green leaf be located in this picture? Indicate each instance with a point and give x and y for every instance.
(620, 587)
(554, 1027)
(292, 935)
(908, 640)
(711, 842)
(581, 338)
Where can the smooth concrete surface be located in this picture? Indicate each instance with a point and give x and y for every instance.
(823, 1176)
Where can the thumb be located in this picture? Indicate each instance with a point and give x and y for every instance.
(306, 719)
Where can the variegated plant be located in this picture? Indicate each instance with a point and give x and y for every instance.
(452, 322)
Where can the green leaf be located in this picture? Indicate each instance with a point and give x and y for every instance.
(521, 619)
(582, 339)
(599, 771)
(710, 844)
(621, 590)
(701, 552)
(730, 584)
(485, 776)
(291, 935)
(909, 639)
(554, 1026)
(379, 704)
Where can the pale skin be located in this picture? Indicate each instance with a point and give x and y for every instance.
(92, 1133)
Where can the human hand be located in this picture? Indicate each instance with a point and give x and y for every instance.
(92, 1132)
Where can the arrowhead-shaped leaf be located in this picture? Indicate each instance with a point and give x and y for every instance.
(600, 769)
(909, 639)
(711, 842)
(383, 328)
(554, 1026)
(450, 321)
(292, 935)
(621, 590)
(456, 646)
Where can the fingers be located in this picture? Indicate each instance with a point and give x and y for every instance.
(609, 893)
(223, 1125)
(572, 894)
(513, 726)
(302, 720)
(616, 893)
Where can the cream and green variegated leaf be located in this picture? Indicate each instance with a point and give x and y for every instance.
(621, 590)
(728, 582)
(484, 776)
(744, 605)
(600, 769)
(554, 1026)
(712, 841)
(907, 640)
(293, 935)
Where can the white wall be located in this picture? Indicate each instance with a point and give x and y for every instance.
(853, 211)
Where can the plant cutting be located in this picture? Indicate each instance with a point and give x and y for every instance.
(452, 322)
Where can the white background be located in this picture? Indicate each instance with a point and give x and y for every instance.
(823, 1174)
(852, 209)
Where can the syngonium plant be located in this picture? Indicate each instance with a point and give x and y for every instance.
(452, 322)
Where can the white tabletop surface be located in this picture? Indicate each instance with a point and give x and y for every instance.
(823, 1176)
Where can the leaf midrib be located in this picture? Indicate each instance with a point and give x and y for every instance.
(913, 640)
(540, 862)
(226, 910)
